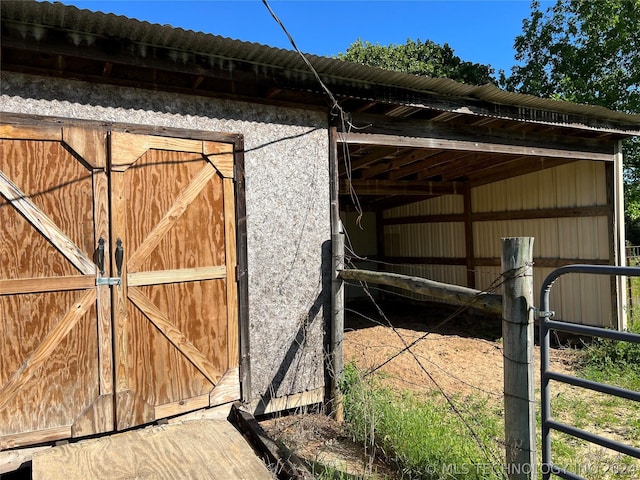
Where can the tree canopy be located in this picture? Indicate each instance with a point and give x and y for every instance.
(586, 52)
(426, 58)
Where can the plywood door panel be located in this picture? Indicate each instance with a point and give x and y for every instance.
(174, 328)
(55, 341)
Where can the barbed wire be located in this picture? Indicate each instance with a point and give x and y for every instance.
(490, 455)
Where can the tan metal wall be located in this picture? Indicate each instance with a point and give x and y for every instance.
(583, 299)
(428, 240)
(576, 298)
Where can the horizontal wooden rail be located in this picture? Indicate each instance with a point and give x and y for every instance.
(452, 293)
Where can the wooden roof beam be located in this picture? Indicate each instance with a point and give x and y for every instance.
(472, 146)
(433, 158)
(430, 134)
(366, 160)
(398, 187)
(499, 172)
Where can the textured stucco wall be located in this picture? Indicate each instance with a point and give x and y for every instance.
(287, 200)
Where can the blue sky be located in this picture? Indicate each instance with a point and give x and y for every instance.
(480, 31)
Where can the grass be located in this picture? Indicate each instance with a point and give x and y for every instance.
(423, 438)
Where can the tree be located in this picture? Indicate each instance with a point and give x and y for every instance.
(586, 51)
(419, 58)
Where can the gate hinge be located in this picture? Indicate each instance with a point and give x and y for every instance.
(108, 281)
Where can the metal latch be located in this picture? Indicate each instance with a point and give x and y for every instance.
(108, 280)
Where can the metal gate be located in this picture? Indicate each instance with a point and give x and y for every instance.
(546, 326)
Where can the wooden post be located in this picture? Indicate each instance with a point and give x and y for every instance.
(518, 343)
(337, 326)
(335, 355)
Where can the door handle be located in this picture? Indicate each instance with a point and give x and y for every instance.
(98, 256)
(99, 259)
(119, 257)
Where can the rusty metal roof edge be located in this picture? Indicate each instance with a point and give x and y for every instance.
(68, 17)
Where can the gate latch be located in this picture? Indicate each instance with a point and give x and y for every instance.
(108, 280)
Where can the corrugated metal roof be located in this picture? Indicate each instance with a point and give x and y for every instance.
(86, 22)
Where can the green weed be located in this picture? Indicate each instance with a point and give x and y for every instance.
(424, 438)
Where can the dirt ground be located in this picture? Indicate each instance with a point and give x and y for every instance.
(459, 353)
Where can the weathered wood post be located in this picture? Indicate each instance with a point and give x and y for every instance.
(337, 326)
(518, 343)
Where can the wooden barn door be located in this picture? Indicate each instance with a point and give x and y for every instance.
(56, 377)
(118, 297)
(175, 324)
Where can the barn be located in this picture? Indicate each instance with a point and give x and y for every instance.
(168, 200)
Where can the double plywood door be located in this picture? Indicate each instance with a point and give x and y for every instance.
(118, 297)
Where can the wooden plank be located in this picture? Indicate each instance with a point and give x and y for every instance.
(47, 284)
(544, 262)
(37, 436)
(45, 226)
(101, 194)
(218, 412)
(221, 156)
(197, 449)
(12, 460)
(119, 299)
(617, 243)
(469, 240)
(169, 219)
(228, 388)
(366, 160)
(96, 418)
(336, 357)
(175, 276)
(126, 148)
(233, 333)
(132, 410)
(30, 132)
(279, 404)
(90, 143)
(241, 272)
(470, 146)
(288, 465)
(420, 128)
(175, 336)
(181, 406)
(438, 218)
(41, 354)
(573, 212)
(400, 187)
(452, 293)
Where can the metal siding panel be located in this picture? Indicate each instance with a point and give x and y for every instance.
(425, 240)
(446, 204)
(582, 300)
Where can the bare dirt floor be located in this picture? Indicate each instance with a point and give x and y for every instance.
(457, 352)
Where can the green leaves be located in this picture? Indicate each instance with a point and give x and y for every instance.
(419, 58)
(588, 52)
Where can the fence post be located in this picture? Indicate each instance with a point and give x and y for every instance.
(518, 343)
(337, 327)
